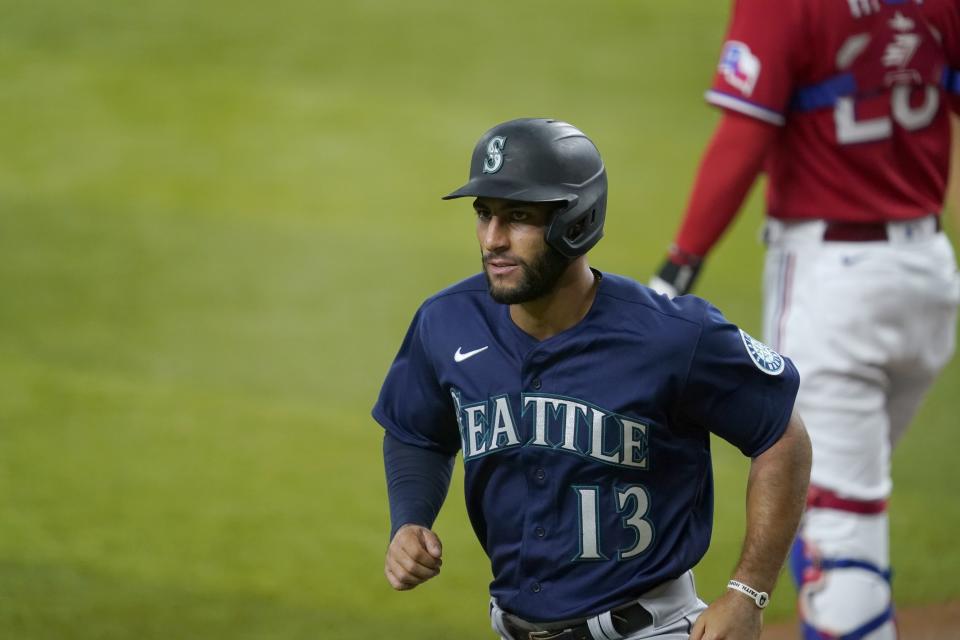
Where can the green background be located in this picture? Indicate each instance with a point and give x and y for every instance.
(216, 220)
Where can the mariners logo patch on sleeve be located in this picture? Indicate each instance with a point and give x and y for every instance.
(766, 359)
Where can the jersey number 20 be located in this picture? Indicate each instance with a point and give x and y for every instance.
(632, 499)
(853, 131)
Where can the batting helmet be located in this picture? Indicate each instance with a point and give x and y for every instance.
(540, 160)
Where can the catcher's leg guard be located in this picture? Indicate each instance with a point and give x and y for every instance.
(841, 568)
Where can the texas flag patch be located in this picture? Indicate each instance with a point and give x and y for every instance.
(740, 68)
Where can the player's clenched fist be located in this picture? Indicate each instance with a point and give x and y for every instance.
(729, 617)
(413, 557)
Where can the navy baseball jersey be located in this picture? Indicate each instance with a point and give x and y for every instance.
(587, 455)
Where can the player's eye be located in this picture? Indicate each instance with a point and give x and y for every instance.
(483, 215)
(520, 216)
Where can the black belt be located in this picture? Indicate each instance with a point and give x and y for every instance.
(627, 619)
(860, 231)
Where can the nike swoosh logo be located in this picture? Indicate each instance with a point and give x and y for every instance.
(849, 261)
(460, 356)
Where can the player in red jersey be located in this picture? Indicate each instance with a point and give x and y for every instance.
(845, 105)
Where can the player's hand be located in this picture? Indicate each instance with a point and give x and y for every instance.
(413, 557)
(677, 274)
(660, 285)
(732, 616)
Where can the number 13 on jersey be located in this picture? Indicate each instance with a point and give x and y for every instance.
(633, 502)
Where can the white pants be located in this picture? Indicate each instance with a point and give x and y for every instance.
(869, 326)
(674, 607)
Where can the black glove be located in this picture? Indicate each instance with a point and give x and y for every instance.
(677, 274)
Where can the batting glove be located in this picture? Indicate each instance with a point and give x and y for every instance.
(677, 274)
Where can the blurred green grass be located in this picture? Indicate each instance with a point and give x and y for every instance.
(216, 220)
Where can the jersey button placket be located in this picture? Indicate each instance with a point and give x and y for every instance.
(536, 533)
(532, 370)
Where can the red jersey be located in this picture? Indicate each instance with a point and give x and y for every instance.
(859, 89)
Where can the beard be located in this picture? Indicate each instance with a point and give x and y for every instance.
(538, 278)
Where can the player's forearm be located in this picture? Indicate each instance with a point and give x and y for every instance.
(776, 494)
(730, 165)
(417, 482)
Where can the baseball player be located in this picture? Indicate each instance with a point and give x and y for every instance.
(582, 403)
(845, 104)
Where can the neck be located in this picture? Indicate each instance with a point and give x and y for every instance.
(563, 307)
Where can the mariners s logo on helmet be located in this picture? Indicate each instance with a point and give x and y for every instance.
(766, 359)
(494, 155)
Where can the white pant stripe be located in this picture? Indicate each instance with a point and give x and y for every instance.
(595, 629)
(606, 624)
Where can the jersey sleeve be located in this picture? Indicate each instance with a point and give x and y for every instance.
(944, 17)
(755, 74)
(737, 387)
(413, 406)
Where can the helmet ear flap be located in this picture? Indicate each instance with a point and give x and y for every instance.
(575, 229)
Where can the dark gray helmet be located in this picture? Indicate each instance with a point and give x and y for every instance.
(539, 160)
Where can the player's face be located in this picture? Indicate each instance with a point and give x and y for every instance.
(520, 266)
